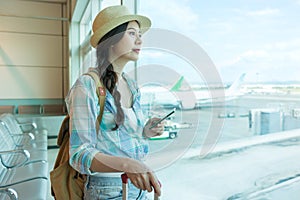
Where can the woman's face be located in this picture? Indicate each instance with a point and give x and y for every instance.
(128, 48)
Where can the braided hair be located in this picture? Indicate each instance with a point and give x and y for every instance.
(105, 69)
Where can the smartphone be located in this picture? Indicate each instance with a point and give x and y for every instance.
(162, 119)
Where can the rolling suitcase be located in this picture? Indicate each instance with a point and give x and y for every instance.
(125, 188)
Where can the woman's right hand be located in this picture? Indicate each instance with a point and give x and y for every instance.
(139, 174)
(143, 177)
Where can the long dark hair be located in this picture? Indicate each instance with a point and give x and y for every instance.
(105, 69)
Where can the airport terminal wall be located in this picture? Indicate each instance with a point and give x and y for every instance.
(34, 53)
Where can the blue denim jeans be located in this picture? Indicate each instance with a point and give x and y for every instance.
(106, 188)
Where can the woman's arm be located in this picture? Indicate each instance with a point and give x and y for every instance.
(82, 108)
(138, 173)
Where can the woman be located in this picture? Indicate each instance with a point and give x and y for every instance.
(119, 145)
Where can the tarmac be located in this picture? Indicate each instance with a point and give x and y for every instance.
(229, 162)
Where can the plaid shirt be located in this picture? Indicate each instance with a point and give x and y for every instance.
(83, 107)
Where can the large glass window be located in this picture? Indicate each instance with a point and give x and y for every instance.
(81, 31)
(252, 46)
(106, 3)
(85, 32)
(232, 68)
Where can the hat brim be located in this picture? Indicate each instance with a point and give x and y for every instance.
(143, 21)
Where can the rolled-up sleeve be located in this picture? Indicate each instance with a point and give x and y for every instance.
(82, 106)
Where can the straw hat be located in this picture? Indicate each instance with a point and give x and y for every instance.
(113, 16)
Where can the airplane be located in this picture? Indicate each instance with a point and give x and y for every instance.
(189, 98)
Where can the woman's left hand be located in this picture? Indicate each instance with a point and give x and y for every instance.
(155, 131)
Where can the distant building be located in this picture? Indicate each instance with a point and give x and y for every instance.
(265, 121)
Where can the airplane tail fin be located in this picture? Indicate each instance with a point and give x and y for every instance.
(235, 86)
(177, 85)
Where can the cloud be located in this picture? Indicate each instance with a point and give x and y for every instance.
(256, 37)
(277, 61)
(255, 54)
(249, 56)
(258, 13)
(264, 12)
(174, 15)
(285, 51)
(284, 45)
(220, 27)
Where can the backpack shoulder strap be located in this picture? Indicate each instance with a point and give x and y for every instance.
(101, 93)
(63, 131)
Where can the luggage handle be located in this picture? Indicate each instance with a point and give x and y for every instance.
(124, 178)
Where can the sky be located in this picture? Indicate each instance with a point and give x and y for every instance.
(259, 37)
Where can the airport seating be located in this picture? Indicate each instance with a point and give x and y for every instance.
(7, 109)
(54, 109)
(24, 131)
(24, 165)
(41, 109)
(30, 109)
